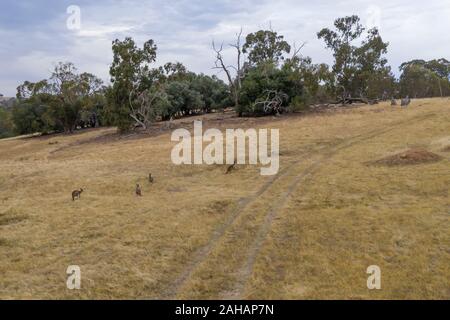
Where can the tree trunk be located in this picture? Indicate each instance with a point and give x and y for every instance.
(139, 122)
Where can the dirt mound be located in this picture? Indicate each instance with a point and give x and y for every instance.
(412, 156)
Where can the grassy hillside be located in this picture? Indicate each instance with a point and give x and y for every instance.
(309, 232)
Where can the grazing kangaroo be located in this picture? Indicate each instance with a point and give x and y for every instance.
(76, 194)
(231, 168)
(150, 178)
(138, 190)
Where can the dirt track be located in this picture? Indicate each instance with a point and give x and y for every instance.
(291, 176)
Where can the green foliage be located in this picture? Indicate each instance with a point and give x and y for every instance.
(269, 86)
(263, 80)
(313, 77)
(57, 104)
(6, 124)
(140, 94)
(33, 115)
(358, 69)
(214, 92)
(183, 99)
(421, 79)
(265, 46)
(300, 103)
(93, 113)
(439, 66)
(29, 89)
(340, 40)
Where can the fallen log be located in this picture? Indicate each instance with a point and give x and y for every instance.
(351, 101)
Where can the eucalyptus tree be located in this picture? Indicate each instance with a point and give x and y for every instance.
(130, 65)
(359, 64)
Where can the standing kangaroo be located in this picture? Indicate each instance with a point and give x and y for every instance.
(138, 190)
(76, 194)
(232, 167)
(406, 102)
(150, 178)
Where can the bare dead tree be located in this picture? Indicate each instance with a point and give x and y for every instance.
(235, 86)
(238, 69)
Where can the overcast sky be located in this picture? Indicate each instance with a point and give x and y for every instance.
(34, 33)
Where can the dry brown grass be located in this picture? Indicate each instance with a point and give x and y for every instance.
(309, 232)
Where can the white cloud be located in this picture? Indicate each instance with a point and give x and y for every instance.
(102, 31)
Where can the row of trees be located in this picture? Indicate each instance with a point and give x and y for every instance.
(422, 78)
(140, 94)
(62, 103)
(273, 77)
(267, 76)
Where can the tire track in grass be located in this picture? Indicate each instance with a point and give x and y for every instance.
(204, 252)
(247, 268)
(217, 235)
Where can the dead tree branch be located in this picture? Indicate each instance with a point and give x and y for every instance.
(144, 113)
(234, 84)
(274, 102)
(296, 51)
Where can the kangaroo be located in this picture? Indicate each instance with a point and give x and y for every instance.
(150, 178)
(406, 101)
(231, 168)
(138, 190)
(393, 102)
(76, 194)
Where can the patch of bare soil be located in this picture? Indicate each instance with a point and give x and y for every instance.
(412, 156)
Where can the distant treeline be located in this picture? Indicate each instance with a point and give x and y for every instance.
(266, 75)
